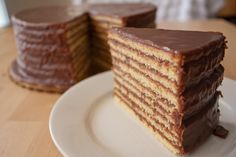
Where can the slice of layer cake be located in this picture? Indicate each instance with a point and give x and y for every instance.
(105, 16)
(169, 80)
(53, 47)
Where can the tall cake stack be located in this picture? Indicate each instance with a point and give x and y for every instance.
(169, 80)
(54, 44)
(52, 47)
(105, 16)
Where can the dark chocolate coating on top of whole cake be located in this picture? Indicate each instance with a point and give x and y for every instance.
(59, 14)
(121, 10)
(49, 15)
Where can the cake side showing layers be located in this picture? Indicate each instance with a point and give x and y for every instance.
(105, 16)
(169, 82)
(52, 36)
(173, 78)
(199, 130)
(53, 50)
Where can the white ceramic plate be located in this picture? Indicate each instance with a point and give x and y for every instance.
(87, 122)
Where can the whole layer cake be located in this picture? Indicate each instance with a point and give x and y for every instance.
(54, 43)
(169, 80)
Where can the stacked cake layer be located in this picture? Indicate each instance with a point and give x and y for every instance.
(105, 16)
(53, 47)
(169, 80)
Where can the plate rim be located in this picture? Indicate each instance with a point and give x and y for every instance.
(57, 103)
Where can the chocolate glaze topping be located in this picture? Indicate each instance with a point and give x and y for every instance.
(61, 14)
(174, 41)
(121, 10)
(49, 15)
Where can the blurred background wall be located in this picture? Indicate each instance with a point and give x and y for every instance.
(168, 10)
(181, 10)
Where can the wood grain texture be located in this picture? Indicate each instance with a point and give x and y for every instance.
(24, 114)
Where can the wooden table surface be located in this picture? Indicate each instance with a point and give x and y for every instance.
(24, 114)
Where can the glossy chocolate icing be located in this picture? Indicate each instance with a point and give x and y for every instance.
(121, 10)
(58, 16)
(51, 15)
(174, 41)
